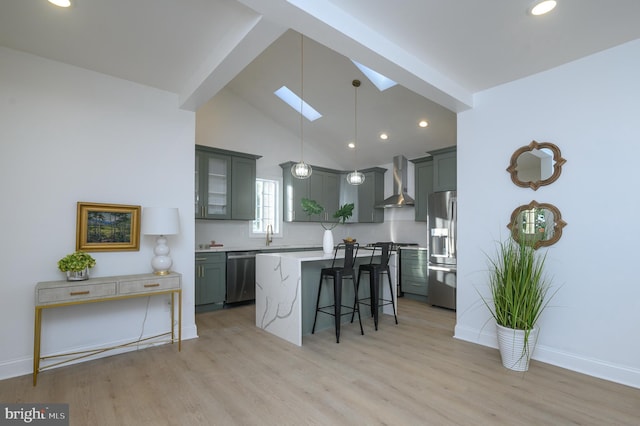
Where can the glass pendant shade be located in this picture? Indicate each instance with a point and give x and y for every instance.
(355, 178)
(301, 170)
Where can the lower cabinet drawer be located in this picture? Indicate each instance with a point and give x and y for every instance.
(413, 286)
(146, 285)
(76, 292)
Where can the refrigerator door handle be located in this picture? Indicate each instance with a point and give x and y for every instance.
(453, 213)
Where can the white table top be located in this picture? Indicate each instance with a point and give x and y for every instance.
(310, 256)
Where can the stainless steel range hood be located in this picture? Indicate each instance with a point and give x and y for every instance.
(400, 198)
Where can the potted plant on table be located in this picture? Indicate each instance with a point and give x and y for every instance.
(345, 211)
(77, 265)
(519, 291)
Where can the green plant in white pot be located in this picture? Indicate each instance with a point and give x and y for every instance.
(77, 265)
(519, 291)
(311, 207)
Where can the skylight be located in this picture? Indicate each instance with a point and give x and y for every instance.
(293, 101)
(379, 80)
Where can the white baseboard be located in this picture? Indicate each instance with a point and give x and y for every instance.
(23, 366)
(593, 367)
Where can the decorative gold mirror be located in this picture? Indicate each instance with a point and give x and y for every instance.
(539, 223)
(536, 164)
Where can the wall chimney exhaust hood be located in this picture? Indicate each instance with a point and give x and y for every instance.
(400, 198)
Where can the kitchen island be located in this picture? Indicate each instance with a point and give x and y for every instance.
(287, 288)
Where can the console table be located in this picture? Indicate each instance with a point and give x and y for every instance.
(54, 294)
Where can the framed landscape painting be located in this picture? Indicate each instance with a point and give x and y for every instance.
(107, 227)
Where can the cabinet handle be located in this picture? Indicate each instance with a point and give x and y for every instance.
(152, 285)
(78, 293)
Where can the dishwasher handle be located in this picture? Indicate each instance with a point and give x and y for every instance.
(241, 255)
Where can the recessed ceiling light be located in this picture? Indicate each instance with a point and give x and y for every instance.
(384, 136)
(61, 3)
(423, 123)
(351, 145)
(540, 7)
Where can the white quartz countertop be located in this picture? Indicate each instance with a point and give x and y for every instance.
(277, 248)
(310, 256)
(273, 248)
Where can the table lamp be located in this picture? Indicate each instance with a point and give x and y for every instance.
(160, 221)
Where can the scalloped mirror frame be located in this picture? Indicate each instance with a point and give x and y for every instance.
(557, 166)
(558, 223)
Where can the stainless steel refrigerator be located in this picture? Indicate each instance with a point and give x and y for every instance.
(442, 212)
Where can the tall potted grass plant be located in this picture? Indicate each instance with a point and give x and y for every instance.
(519, 291)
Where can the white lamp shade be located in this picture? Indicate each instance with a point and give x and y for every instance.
(160, 221)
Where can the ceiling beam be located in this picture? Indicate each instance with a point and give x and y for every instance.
(227, 59)
(329, 25)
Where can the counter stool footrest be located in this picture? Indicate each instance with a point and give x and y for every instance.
(375, 271)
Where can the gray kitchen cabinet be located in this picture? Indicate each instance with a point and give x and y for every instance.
(210, 281)
(444, 169)
(243, 188)
(225, 184)
(329, 189)
(414, 273)
(294, 191)
(434, 173)
(424, 186)
(212, 185)
(323, 186)
(371, 194)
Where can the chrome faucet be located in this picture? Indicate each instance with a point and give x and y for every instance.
(269, 234)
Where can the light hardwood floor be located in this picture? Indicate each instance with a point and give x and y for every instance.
(413, 373)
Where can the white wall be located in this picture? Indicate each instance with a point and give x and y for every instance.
(589, 108)
(70, 135)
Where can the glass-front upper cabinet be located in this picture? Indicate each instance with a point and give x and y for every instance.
(212, 186)
(225, 183)
(218, 186)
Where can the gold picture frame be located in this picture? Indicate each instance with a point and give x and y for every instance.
(107, 227)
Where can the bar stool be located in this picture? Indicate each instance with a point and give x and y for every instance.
(338, 273)
(375, 270)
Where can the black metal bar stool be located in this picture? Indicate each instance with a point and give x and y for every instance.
(338, 273)
(375, 270)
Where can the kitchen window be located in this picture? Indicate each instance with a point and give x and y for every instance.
(267, 207)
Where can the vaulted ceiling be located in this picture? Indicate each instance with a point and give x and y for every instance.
(440, 53)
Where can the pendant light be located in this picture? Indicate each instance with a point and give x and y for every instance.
(301, 170)
(355, 177)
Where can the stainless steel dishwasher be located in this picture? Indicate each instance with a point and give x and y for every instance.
(241, 276)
